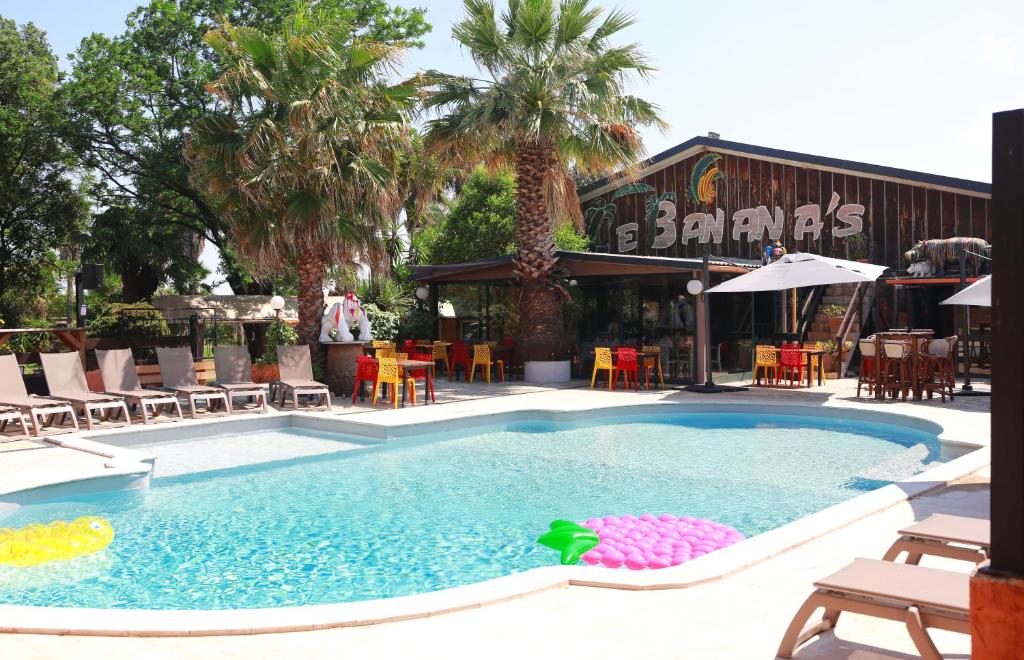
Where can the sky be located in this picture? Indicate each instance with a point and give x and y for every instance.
(909, 83)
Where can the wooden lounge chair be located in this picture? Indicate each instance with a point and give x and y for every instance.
(941, 535)
(120, 378)
(296, 371)
(920, 597)
(178, 372)
(8, 415)
(234, 376)
(65, 379)
(42, 411)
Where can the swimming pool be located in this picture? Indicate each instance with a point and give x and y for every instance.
(447, 509)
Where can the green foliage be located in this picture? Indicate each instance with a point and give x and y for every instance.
(415, 324)
(481, 224)
(116, 319)
(383, 323)
(833, 310)
(385, 293)
(132, 98)
(41, 211)
(279, 333)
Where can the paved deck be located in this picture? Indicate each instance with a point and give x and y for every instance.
(742, 616)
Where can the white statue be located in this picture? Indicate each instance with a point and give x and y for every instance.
(921, 269)
(340, 316)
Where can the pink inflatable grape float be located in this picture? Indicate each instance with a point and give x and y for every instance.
(649, 541)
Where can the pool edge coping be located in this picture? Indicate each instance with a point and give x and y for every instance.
(712, 567)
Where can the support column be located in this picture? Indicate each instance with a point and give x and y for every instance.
(997, 589)
(700, 342)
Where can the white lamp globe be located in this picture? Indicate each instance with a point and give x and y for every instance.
(573, 282)
(694, 287)
(422, 292)
(277, 303)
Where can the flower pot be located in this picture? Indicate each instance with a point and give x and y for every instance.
(264, 373)
(833, 325)
(550, 372)
(94, 380)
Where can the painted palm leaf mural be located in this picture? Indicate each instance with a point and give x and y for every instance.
(632, 189)
(702, 180)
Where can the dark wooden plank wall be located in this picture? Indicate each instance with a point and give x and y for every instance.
(896, 215)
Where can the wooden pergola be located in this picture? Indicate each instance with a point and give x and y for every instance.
(73, 338)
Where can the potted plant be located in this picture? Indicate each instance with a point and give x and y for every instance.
(279, 333)
(858, 245)
(831, 361)
(834, 314)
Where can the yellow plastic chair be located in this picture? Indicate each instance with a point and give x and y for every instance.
(387, 373)
(603, 362)
(818, 345)
(401, 356)
(439, 353)
(766, 357)
(652, 354)
(386, 352)
(482, 358)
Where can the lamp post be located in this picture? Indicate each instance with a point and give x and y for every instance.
(700, 287)
(277, 304)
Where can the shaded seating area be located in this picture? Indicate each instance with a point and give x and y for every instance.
(907, 363)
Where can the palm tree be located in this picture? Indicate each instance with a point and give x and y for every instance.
(552, 94)
(302, 156)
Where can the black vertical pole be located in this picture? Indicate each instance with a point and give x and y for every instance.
(79, 317)
(967, 326)
(433, 302)
(1007, 499)
(753, 332)
(706, 279)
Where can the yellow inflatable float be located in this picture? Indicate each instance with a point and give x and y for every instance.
(37, 544)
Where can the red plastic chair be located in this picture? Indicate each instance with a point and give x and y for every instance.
(421, 374)
(408, 346)
(366, 372)
(791, 361)
(460, 356)
(514, 364)
(626, 363)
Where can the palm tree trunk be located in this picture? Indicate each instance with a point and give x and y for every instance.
(540, 307)
(310, 266)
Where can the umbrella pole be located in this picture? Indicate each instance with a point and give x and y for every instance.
(709, 386)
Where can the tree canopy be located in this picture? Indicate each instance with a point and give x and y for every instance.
(41, 212)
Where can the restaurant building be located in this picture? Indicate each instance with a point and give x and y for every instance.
(732, 201)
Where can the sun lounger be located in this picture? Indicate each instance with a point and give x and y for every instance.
(120, 378)
(296, 371)
(920, 597)
(178, 372)
(9, 415)
(65, 379)
(42, 411)
(955, 537)
(234, 376)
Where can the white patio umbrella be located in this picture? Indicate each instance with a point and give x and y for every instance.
(979, 293)
(800, 269)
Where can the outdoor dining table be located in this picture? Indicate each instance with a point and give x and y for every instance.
(406, 366)
(809, 354)
(914, 336)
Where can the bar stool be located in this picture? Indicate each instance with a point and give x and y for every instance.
(896, 368)
(937, 367)
(652, 360)
(867, 365)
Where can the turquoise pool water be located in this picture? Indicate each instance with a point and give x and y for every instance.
(444, 510)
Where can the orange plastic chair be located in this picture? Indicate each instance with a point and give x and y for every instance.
(791, 361)
(482, 358)
(387, 373)
(627, 365)
(439, 353)
(652, 360)
(818, 345)
(766, 357)
(366, 372)
(602, 362)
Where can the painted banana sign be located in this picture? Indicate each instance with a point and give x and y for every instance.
(664, 228)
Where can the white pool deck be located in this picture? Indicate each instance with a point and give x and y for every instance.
(741, 615)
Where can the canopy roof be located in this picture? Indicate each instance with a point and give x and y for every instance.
(979, 293)
(800, 269)
(575, 264)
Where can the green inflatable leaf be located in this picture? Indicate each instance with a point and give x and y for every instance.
(570, 539)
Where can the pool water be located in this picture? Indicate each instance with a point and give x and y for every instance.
(443, 510)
